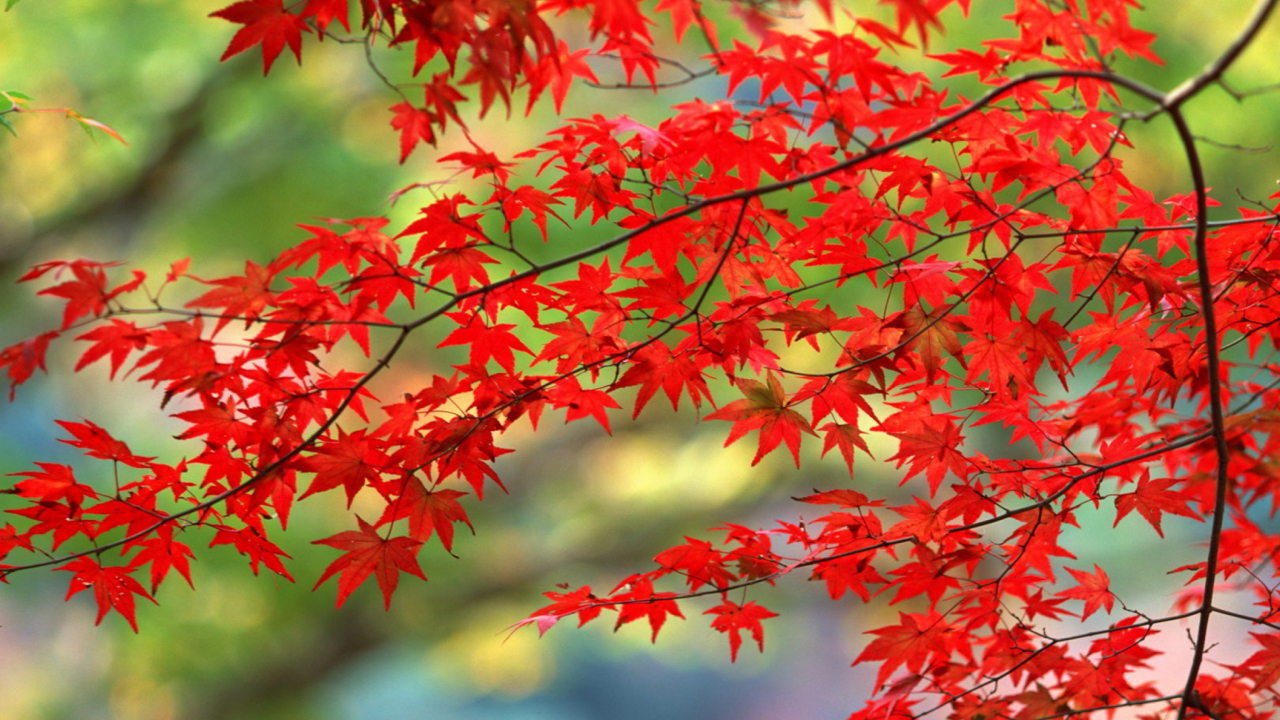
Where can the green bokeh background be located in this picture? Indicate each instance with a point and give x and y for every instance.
(221, 165)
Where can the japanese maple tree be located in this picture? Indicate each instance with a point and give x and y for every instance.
(839, 234)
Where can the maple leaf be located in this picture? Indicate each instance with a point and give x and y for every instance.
(1152, 499)
(366, 553)
(113, 588)
(804, 322)
(919, 13)
(428, 511)
(665, 295)
(326, 11)
(642, 602)
(250, 542)
(179, 352)
(414, 125)
(218, 423)
(163, 554)
(577, 346)
(118, 338)
(933, 448)
(913, 642)
(732, 619)
(266, 22)
(486, 341)
(24, 358)
(657, 367)
(683, 14)
(240, 296)
(931, 334)
(922, 521)
(350, 461)
(766, 409)
(558, 71)
(844, 498)
(1093, 588)
(698, 562)
(846, 437)
(583, 402)
(10, 539)
(537, 202)
(1001, 360)
(100, 444)
(53, 482)
(481, 163)
(463, 265)
(1263, 667)
(85, 295)
(599, 191)
(580, 602)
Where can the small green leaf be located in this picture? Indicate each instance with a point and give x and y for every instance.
(8, 5)
(14, 93)
(5, 122)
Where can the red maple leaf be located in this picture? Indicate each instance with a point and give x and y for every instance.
(250, 543)
(113, 587)
(163, 554)
(1263, 667)
(350, 461)
(698, 562)
(1093, 588)
(557, 71)
(922, 521)
(117, 338)
(266, 22)
(486, 341)
(239, 296)
(641, 602)
(366, 553)
(933, 446)
(463, 265)
(428, 511)
(582, 402)
(22, 359)
(326, 11)
(766, 409)
(580, 602)
(414, 125)
(732, 618)
(85, 295)
(1153, 498)
(657, 367)
(917, 639)
(845, 437)
(53, 482)
(99, 443)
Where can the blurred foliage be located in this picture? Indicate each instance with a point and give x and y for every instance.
(221, 164)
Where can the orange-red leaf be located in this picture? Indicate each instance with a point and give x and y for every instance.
(414, 125)
(1153, 498)
(366, 553)
(113, 587)
(766, 409)
(1093, 588)
(266, 22)
(428, 511)
(732, 618)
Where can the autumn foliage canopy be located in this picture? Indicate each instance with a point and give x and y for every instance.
(845, 234)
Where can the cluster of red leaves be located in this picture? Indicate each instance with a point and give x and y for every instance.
(1024, 281)
(499, 47)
